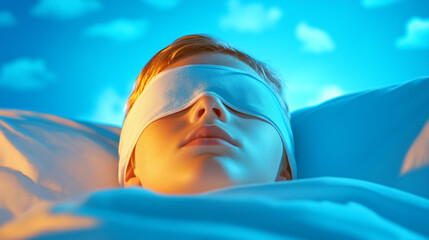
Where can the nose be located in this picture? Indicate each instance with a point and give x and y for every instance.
(208, 108)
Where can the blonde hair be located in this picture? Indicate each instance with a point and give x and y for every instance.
(200, 43)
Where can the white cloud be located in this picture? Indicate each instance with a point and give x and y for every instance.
(378, 3)
(123, 30)
(6, 18)
(252, 17)
(64, 9)
(109, 108)
(325, 93)
(162, 4)
(25, 74)
(417, 35)
(313, 39)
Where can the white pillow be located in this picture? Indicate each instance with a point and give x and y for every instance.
(380, 135)
(45, 158)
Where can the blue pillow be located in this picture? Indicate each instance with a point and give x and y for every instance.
(380, 135)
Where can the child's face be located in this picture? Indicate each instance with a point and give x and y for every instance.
(163, 165)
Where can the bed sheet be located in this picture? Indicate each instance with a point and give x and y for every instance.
(317, 208)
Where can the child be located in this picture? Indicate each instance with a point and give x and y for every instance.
(204, 116)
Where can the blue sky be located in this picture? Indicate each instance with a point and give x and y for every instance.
(79, 58)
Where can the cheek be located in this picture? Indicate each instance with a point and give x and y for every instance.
(154, 148)
(264, 149)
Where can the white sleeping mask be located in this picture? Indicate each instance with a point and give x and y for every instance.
(176, 89)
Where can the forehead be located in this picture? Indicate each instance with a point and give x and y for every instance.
(213, 59)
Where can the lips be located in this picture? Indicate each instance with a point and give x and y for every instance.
(209, 132)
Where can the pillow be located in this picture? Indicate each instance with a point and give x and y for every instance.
(45, 158)
(370, 135)
(379, 135)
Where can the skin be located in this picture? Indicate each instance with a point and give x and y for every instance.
(162, 166)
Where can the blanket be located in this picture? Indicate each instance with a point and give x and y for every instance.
(315, 208)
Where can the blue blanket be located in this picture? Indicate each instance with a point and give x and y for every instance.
(316, 208)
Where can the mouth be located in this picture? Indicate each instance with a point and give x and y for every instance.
(207, 141)
(209, 135)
